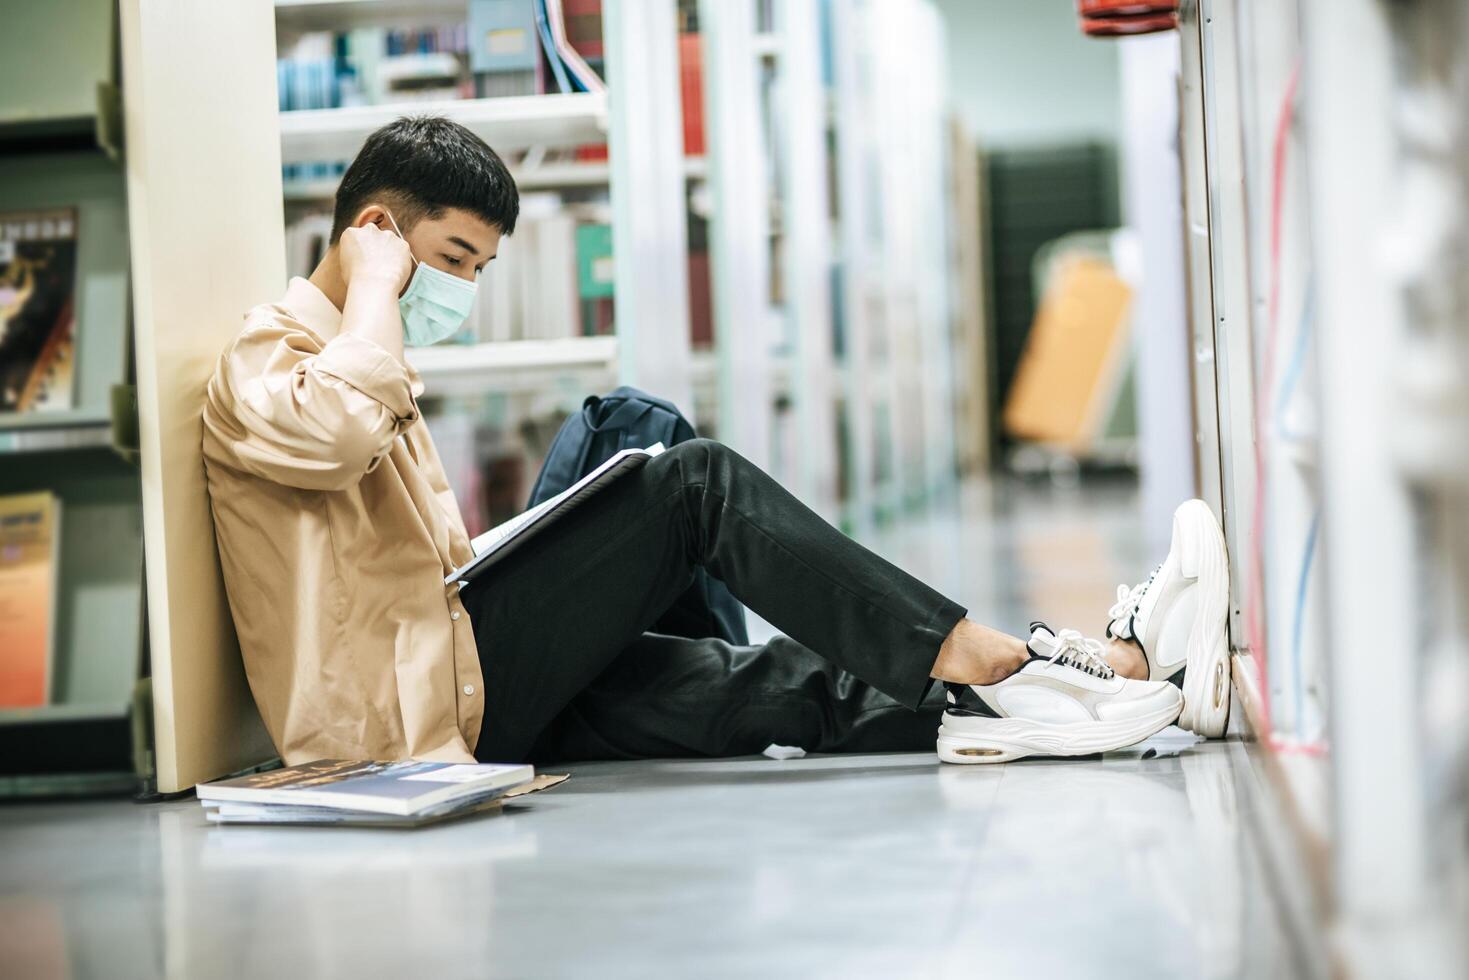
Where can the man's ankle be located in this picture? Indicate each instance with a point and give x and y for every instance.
(1127, 658)
(975, 654)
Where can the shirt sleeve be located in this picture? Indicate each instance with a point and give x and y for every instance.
(317, 418)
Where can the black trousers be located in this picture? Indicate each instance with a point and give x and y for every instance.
(570, 674)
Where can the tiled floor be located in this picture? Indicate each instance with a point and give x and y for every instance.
(1144, 863)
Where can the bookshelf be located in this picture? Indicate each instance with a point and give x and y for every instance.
(806, 374)
(511, 123)
(739, 247)
(534, 123)
(893, 273)
(51, 158)
(649, 198)
(829, 219)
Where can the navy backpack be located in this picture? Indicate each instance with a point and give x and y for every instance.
(632, 418)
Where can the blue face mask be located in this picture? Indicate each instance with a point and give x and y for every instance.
(435, 304)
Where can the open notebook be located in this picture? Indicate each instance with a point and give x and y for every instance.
(502, 539)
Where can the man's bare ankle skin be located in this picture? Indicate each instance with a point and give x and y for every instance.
(975, 654)
(1126, 657)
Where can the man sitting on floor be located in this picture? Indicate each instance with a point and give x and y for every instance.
(336, 528)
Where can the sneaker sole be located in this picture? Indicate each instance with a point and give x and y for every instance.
(989, 740)
(1206, 690)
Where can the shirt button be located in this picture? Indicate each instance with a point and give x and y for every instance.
(468, 690)
(454, 614)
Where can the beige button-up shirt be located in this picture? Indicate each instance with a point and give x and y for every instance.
(336, 527)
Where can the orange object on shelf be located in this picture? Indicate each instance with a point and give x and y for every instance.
(1122, 18)
(1128, 26)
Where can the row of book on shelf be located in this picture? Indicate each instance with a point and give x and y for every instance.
(503, 48)
(553, 279)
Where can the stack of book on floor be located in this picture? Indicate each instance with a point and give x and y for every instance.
(391, 794)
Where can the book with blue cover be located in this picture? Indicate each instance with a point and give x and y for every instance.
(401, 789)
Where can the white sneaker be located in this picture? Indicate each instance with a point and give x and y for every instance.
(1065, 700)
(1178, 617)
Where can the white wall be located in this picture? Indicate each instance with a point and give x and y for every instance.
(1021, 72)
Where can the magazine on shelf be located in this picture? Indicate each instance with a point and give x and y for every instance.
(29, 539)
(399, 789)
(499, 541)
(38, 272)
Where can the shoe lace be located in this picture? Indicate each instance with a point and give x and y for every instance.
(1083, 653)
(1129, 599)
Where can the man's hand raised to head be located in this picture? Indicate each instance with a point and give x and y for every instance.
(375, 265)
(370, 254)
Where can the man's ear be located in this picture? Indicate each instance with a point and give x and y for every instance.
(373, 214)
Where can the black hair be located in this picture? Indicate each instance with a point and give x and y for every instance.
(420, 166)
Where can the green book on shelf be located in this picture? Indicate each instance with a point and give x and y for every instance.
(594, 261)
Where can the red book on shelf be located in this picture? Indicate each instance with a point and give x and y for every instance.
(584, 27)
(701, 308)
(691, 87)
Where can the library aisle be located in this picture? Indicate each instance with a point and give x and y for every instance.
(401, 400)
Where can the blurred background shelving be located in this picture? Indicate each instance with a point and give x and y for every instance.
(742, 320)
(802, 279)
(60, 161)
